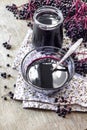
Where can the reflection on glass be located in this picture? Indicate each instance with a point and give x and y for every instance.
(41, 75)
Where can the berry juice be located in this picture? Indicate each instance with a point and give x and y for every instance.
(40, 73)
(48, 27)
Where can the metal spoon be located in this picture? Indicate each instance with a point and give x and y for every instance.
(69, 52)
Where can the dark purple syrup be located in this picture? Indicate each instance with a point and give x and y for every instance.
(48, 37)
(40, 73)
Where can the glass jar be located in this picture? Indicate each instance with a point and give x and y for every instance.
(48, 27)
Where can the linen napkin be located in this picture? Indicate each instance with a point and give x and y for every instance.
(75, 92)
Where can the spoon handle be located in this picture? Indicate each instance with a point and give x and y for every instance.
(70, 51)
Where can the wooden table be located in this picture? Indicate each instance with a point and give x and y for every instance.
(12, 115)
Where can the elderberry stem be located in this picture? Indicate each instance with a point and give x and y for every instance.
(47, 1)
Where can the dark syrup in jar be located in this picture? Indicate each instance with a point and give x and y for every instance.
(52, 32)
(40, 74)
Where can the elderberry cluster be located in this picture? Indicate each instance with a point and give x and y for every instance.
(76, 21)
(81, 68)
(5, 75)
(64, 6)
(75, 30)
(80, 65)
(21, 12)
(7, 45)
(10, 95)
(62, 110)
(27, 10)
(75, 14)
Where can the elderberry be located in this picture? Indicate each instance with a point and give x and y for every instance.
(56, 100)
(8, 46)
(60, 114)
(58, 110)
(63, 116)
(9, 75)
(10, 93)
(8, 65)
(62, 99)
(8, 55)
(70, 109)
(5, 86)
(14, 85)
(65, 106)
(5, 98)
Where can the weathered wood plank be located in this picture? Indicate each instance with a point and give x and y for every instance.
(12, 115)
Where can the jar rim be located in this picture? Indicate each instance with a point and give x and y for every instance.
(48, 9)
